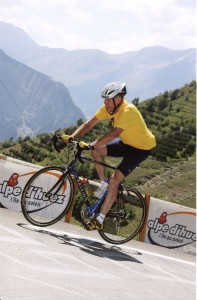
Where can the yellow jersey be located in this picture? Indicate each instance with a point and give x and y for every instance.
(135, 132)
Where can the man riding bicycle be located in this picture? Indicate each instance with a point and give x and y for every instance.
(130, 139)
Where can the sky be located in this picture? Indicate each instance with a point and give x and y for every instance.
(113, 26)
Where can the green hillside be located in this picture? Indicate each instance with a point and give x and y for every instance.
(168, 174)
(172, 118)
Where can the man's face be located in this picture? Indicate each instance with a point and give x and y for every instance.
(109, 103)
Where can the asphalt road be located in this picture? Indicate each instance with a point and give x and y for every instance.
(64, 261)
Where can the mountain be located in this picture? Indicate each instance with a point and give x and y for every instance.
(147, 72)
(15, 40)
(31, 102)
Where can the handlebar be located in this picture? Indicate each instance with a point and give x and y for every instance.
(57, 142)
(60, 144)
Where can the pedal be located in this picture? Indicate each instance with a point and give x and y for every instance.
(85, 225)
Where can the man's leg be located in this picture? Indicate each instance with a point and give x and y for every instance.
(116, 178)
(99, 154)
(132, 157)
(114, 181)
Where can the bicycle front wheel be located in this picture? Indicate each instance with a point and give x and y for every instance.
(125, 219)
(44, 202)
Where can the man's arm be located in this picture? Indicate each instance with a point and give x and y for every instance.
(110, 136)
(85, 127)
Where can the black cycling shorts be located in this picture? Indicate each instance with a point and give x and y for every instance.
(132, 157)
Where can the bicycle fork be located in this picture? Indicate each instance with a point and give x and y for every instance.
(57, 186)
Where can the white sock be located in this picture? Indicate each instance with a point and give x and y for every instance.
(100, 218)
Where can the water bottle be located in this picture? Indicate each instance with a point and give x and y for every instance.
(103, 187)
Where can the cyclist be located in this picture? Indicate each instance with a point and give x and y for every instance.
(130, 139)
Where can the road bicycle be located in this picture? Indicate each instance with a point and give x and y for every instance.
(49, 194)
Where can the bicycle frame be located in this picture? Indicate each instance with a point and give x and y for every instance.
(71, 170)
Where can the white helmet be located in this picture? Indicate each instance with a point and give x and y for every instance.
(112, 89)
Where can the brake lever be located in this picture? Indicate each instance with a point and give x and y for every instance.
(54, 140)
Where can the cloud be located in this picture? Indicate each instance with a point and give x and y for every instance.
(113, 26)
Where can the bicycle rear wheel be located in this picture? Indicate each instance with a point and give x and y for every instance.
(125, 219)
(41, 207)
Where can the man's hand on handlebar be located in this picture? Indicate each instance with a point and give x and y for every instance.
(60, 142)
(57, 141)
(67, 138)
(86, 146)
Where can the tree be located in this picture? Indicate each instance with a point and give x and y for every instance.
(174, 94)
(151, 105)
(79, 122)
(135, 101)
(190, 148)
(166, 94)
(163, 103)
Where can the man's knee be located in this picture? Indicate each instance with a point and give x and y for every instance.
(99, 153)
(116, 178)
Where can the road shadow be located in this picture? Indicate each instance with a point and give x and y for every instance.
(89, 246)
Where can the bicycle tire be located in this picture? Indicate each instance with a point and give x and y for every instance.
(41, 209)
(125, 219)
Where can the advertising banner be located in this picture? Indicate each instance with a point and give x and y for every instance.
(167, 224)
(14, 174)
(170, 225)
(13, 177)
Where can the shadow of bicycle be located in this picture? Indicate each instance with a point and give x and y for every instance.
(89, 246)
